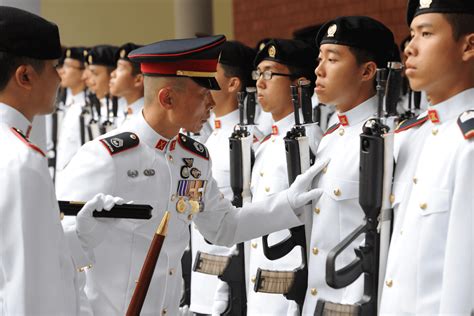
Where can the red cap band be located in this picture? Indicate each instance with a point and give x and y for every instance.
(171, 68)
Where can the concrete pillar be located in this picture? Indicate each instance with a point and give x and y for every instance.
(191, 17)
(38, 132)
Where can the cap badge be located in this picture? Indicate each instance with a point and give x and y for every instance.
(262, 46)
(425, 4)
(90, 59)
(84, 53)
(123, 53)
(68, 53)
(272, 51)
(332, 30)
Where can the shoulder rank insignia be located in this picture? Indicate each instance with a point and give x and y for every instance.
(120, 142)
(466, 124)
(407, 124)
(193, 146)
(26, 141)
(332, 129)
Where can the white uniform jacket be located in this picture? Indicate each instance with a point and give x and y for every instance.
(337, 213)
(203, 286)
(173, 175)
(131, 110)
(269, 176)
(37, 271)
(430, 263)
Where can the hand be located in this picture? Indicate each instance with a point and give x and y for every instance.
(90, 230)
(184, 311)
(298, 194)
(218, 307)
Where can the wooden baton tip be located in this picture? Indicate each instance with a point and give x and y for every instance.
(163, 228)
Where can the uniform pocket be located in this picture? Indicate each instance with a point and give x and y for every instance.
(433, 201)
(340, 190)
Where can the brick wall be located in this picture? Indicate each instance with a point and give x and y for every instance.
(257, 19)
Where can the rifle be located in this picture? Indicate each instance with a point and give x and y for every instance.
(108, 124)
(292, 284)
(232, 269)
(376, 173)
(186, 265)
(86, 115)
(143, 283)
(93, 124)
(134, 211)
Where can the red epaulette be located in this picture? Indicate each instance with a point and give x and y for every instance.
(332, 129)
(407, 124)
(26, 141)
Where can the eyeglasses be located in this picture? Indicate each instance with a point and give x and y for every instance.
(267, 74)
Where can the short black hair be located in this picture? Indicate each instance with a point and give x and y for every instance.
(461, 24)
(9, 63)
(362, 56)
(243, 74)
(136, 70)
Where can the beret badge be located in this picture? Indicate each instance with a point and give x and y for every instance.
(272, 51)
(332, 30)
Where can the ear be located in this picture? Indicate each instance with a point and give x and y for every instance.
(138, 81)
(369, 70)
(24, 76)
(468, 47)
(165, 98)
(234, 84)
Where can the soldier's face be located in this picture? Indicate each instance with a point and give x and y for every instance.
(46, 88)
(339, 77)
(121, 79)
(71, 73)
(86, 77)
(434, 59)
(274, 94)
(99, 80)
(192, 106)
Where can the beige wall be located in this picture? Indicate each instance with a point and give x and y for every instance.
(91, 22)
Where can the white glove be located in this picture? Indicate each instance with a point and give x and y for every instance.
(218, 307)
(184, 311)
(90, 230)
(298, 194)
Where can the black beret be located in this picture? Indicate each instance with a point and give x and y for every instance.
(261, 44)
(76, 53)
(24, 34)
(240, 56)
(288, 52)
(103, 55)
(124, 50)
(417, 7)
(195, 58)
(361, 32)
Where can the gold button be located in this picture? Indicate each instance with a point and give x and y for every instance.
(434, 131)
(314, 291)
(423, 206)
(190, 216)
(337, 192)
(261, 173)
(315, 250)
(254, 245)
(325, 169)
(415, 180)
(273, 140)
(171, 272)
(341, 131)
(253, 279)
(317, 210)
(392, 198)
(267, 189)
(170, 158)
(389, 283)
(164, 311)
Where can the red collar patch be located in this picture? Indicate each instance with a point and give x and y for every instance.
(343, 119)
(274, 130)
(433, 115)
(161, 144)
(217, 124)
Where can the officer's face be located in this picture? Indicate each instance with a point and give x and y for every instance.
(192, 106)
(274, 94)
(46, 88)
(99, 80)
(434, 59)
(71, 73)
(121, 79)
(339, 77)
